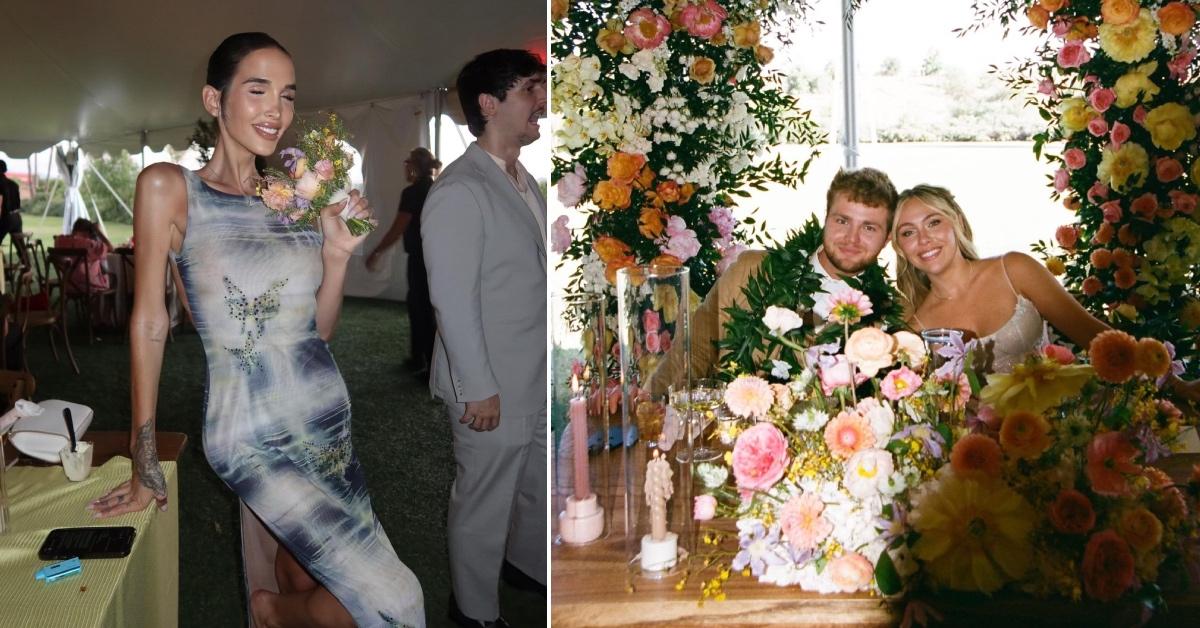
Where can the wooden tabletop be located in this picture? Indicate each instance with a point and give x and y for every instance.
(592, 585)
(108, 444)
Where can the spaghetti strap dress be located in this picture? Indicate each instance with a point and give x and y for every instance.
(277, 413)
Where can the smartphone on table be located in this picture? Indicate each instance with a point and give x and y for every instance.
(88, 542)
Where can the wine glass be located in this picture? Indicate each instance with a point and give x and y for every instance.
(698, 408)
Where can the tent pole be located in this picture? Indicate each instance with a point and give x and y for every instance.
(111, 191)
(95, 208)
(143, 152)
(439, 95)
(49, 197)
(848, 87)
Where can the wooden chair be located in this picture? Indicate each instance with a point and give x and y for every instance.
(15, 385)
(76, 284)
(53, 318)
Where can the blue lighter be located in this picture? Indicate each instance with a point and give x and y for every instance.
(60, 570)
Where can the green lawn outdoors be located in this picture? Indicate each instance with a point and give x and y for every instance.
(46, 228)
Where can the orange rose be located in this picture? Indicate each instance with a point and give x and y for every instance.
(1038, 16)
(608, 248)
(1025, 435)
(558, 10)
(686, 192)
(1072, 512)
(1176, 18)
(764, 54)
(719, 39)
(1091, 286)
(611, 196)
(976, 454)
(1104, 234)
(610, 271)
(624, 167)
(1101, 258)
(1052, 5)
(668, 191)
(666, 260)
(612, 41)
(646, 178)
(703, 70)
(1117, 12)
(651, 222)
(1125, 278)
(1126, 236)
(1082, 29)
(746, 35)
(1072, 203)
(1152, 358)
(1122, 258)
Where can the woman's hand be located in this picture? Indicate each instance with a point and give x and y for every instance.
(338, 238)
(129, 496)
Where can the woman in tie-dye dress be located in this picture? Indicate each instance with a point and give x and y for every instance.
(265, 298)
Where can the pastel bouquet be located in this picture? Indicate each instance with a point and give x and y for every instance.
(823, 452)
(317, 174)
(1057, 488)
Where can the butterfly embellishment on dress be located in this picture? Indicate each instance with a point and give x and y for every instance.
(257, 312)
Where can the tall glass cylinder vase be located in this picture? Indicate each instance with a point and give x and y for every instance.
(3, 489)
(582, 388)
(655, 346)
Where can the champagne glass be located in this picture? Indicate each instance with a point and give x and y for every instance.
(697, 407)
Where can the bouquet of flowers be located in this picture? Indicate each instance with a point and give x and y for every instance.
(317, 175)
(1052, 491)
(813, 475)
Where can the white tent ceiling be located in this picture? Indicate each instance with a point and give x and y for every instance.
(102, 72)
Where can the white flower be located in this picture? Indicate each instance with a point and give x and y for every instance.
(801, 381)
(780, 369)
(880, 416)
(712, 475)
(809, 420)
(781, 320)
(867, 472)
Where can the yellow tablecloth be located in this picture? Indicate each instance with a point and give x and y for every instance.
(139, 590)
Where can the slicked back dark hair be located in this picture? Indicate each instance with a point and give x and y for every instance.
(494, 73)
(223, 62)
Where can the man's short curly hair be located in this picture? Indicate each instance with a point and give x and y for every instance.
(868, 186)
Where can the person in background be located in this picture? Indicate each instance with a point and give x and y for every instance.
(85, 234)
(419, 169)
(10, 203)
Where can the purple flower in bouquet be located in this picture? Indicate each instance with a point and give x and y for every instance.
(954, 351)
(759, 547)
(892, 528)
(1176, 365)
(821, 355)
(929, 438)
(1152, 446)
(295, 161)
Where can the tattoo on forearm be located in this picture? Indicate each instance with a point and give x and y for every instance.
(145, 458)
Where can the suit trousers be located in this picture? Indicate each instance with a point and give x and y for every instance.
(420, 313)
(497, 507)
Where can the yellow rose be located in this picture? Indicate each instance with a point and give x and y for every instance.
(610, 195)
(610, 249)
(612, 41)
(1117, 12)
(1076, 114)
(1127, 311)
(623, 168)
(1141, 529)
(1038, 16)
(1135, 86)
(1056, 266)
(651, 222)
(764, 54)
(1124, 168)
(1170, 125)
(1176, 18)
(746, 35)
(1129, 43)
(703, 70)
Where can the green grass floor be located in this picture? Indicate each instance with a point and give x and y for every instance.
(401, 435)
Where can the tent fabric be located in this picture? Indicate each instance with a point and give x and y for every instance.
(120, 74)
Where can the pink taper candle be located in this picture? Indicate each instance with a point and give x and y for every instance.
(579, 430)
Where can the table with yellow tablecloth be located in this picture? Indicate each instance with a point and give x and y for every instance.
(141, 589)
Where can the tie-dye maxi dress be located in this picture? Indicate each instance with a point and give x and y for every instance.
(277, 414)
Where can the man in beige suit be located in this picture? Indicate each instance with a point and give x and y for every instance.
(483, 231)
(859, 207)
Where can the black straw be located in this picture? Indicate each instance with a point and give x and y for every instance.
(70, 427)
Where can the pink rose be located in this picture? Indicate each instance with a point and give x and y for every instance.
(560, 235)
(900, 383)
(681, 241)
(1119, 134)
(1097, 126)
(1060, 27)
(1144, 205)
(1061, 179)
(651, 320)
(988, 416)
(1139, 116)
(759, 457)
(1097, 192)
(647, 28)
(653, 345)
(837, 375)
(722, 218)
(1112, 211)
(704, 508)
(1180, 63)
(1046, 86)
(324, 169)
(1183, 202)
(308, 186)
(850, 572)
(1102, 99)
(703, 20)
(572, 186)
(870, 349)
(1059, 354)
(1075, 158)
(729, 255)
(1073, 54)
(1067, 236)
(664, 340)
(1167, 169)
